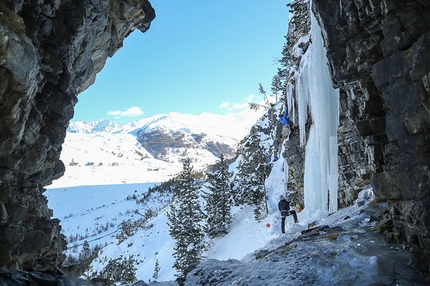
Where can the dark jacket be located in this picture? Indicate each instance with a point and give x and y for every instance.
(284, 207)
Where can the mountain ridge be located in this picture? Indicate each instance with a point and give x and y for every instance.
(202, 121)
(167, 137)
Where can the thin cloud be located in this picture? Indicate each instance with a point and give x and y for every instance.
(224, 105)
(131, 112)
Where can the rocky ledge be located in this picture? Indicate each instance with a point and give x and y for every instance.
(50, 51)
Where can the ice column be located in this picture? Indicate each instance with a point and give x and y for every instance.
(315, 92)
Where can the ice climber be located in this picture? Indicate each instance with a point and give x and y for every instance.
(286, 128)
(284, 207)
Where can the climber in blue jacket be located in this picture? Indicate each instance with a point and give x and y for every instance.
(286, 128)
(283, 118)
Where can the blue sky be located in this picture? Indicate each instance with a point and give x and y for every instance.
(198, 56)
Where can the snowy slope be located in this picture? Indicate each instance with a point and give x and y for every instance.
(94, 213)
(107, 205)
(252, 253)
(99, 159)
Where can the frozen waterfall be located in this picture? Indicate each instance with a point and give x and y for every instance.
(316, 94)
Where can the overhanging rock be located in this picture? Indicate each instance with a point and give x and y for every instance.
(49, 52)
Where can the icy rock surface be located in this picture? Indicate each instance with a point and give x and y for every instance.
(342, 250)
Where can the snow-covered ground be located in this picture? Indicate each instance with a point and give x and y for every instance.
(94, 213)
(346, 252)
(252, 253)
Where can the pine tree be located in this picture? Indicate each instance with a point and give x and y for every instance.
(301, 24)
(185, 220)
(218, 199)
(156, 269)
(85, 256)
(250, 180)
(276, 86)
(261, 89)
(86, 250)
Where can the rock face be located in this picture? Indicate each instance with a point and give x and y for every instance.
(379, 52)
(49, 52)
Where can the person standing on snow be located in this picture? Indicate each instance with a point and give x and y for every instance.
(284, 208)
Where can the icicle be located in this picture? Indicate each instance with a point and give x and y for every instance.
(285, 180)
(313, 199)
(303, 94)
(290, 103)
(314, 90)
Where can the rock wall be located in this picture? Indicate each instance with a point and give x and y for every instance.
(379, 52)
(49, 52)
(355, 154)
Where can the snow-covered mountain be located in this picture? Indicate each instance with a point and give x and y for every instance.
(150, 149)
(231, 125)
(102, 125)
